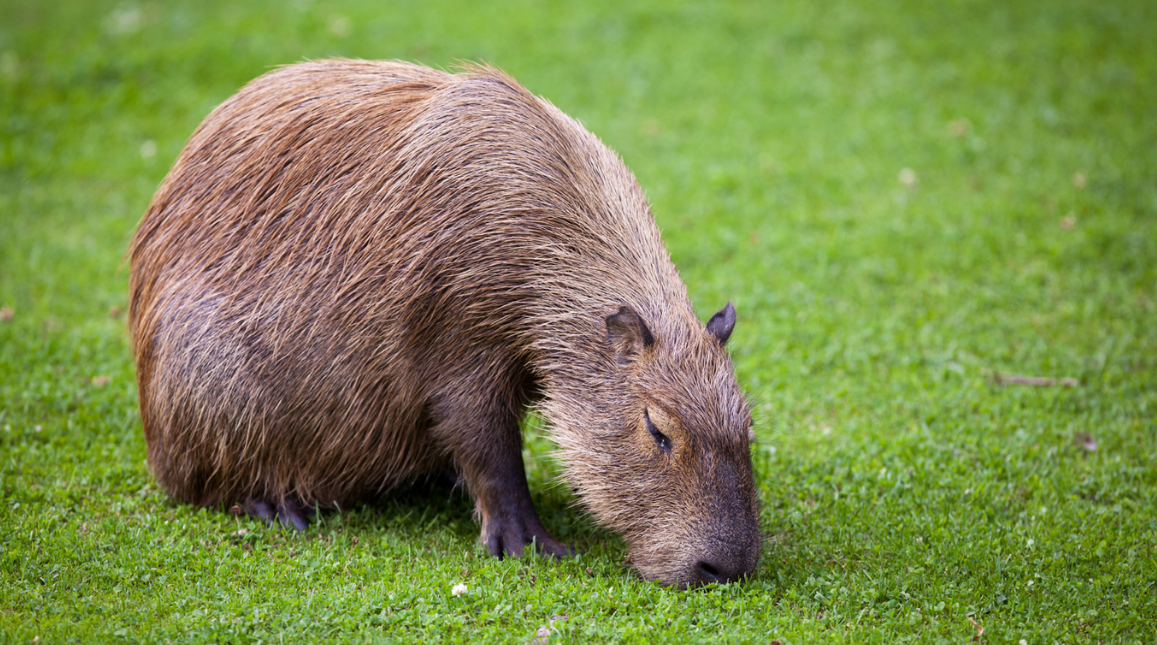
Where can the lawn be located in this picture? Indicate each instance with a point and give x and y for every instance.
(908, 202)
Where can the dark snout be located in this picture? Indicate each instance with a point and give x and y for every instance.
(710, 534)
(729, 544)
(722, 572)
(724, 563)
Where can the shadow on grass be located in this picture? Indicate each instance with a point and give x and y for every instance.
(441, 513)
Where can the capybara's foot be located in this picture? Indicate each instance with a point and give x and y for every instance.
(511, 535)
(287, 512)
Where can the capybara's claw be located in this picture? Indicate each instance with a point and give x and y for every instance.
(260, 510)
(554, 548)
(295, 515)
(512, 537)
(288, 513)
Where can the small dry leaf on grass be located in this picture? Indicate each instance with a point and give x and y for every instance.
(6, 314)
(99, 381)
(959, 127)
(115, 312)
(1086, 441)
(1068, 222)
(1079, 180)
(979, 629)
(543, 634)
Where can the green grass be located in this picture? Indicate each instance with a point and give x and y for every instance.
(905, 493)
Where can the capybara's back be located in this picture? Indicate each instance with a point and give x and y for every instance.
(359, 274)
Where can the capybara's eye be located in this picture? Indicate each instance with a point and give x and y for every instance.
(660, 438)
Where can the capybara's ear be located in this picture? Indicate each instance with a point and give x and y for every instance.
(722, 323)
(628, 334)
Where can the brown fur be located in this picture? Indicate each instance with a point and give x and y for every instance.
(359, 273)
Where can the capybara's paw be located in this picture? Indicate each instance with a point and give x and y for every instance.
(554, 548)
(287, 512)
(513, 536)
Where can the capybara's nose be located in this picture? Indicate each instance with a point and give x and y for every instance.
(719, 572)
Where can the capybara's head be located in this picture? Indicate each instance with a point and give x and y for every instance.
(669, 466)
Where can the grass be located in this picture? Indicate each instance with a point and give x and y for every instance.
(902, 198)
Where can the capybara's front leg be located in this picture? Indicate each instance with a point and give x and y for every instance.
(502, 497)
(490, 460)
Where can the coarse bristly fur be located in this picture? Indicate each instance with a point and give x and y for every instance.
(361, 273)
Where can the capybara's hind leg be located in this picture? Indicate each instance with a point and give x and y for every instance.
(287, 512)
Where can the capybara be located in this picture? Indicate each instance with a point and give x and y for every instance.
(359, 274)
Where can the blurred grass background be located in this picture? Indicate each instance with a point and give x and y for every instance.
(904, 200)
